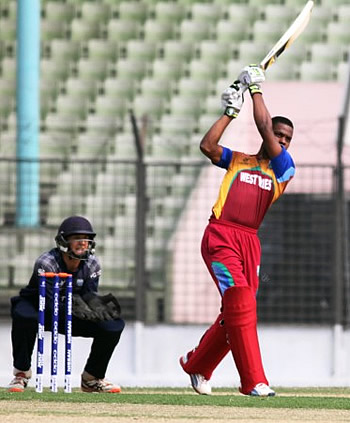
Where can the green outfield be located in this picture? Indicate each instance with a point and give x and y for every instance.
(177, 405)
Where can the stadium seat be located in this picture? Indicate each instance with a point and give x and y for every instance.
(279, 13)
(110, 106)
(232, 69)
(211, 51)
(54, 145)
(194, 31)
(182, 125)
(268, 32)
(122, 30)
(7, 30)
(343, 72)
(164, 69)
(51, 29)
(92, 146)
(67, 124)
(242, 13)
(248, 51)
(338, 33)
(284, 71)
(148, 105)
(101, 49)
(133, 10)
(193, 87)
(53, 10)
(94, 12)
(119, 87)
(310, 71)
(8, 9)
(8, 68)
(60, 49)
(7, 87)
(6, 106)
(165, 147)
(78, 180)
(177, 50)
(91, 70)
(185, 106)
(95, 123)
(209, 13)
(71, 105)
(124, 146)
(262, 3)
(61, 206)
(79, 88)
(324, 53)
(131, 69)
(156, 87)
(314, 32)
(80, 30)
(7, 149)
(342, 13)
(206, 120)
(212, 105)
(142, 50)
(169, 12)
(332, 3)
(201, 69)
(157, 31)
(228, 32)
(55, 68)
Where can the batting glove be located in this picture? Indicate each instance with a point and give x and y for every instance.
(232, 99)
(254, 89)
(250, 75)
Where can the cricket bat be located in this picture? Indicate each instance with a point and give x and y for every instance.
(288, 38)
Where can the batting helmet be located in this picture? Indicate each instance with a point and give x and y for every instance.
(71, 226)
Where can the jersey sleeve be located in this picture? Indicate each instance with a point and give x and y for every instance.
(225, 159)
(283, 166)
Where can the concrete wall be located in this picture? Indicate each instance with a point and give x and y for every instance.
(148, 356)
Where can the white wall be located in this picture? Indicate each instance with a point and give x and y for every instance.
(148, 356)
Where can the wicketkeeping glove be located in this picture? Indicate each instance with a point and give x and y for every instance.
(106, 307)
(232, 99)
(81, 310)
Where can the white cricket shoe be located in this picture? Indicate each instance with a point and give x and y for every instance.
(262, 390)
(200, 384)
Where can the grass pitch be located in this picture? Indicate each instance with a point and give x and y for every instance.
(170, 405)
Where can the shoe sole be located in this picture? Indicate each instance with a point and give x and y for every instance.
(16, 390)
(92, 391)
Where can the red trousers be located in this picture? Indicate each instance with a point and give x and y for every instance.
(232, 255)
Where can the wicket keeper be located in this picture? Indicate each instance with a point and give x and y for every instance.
(94, 316)
(230, 245)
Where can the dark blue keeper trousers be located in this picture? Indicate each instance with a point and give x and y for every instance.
(105, 334)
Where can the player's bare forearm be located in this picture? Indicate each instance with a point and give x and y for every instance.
(263, 122)
(210, 143)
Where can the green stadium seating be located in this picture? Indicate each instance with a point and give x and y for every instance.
(338, 33)
(157, 31)
(101, 49)
(121, 30)
(163, 69)
(209, 13)
(211, 51)
(8, 68)
(92, 146)
(148, 105)
(193, 87)
(90, 70)
(94, 12)
(51, 29)
(53, 10)
(169, 12)
(54, 144)
(342, 13)
(174, 124)
(55, 68)
(228, 32)
(77, 181)
(124, 146)
(119, 87)
(310, 71)
(284, 71)
(156, 87)
(177, 50)
(279, 13)
(268, 32)
(7, 30)
(133, 10)
(80, 30)
(242, 13)
(202, 69)
(321, 52)
(72, 105)
(61, 49)
(110, 106)
(194, 31)
(185, 106)
(134, 69)
(7, 149)
(98, 124)
(143, 50)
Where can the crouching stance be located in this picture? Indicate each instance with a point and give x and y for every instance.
(230, 245)
(94, 316)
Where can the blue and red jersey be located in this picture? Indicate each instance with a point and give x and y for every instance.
(250, 186)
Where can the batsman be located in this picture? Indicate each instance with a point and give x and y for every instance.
(230, 245)
(94, 316)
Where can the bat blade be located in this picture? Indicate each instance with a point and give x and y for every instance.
(288, 38)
